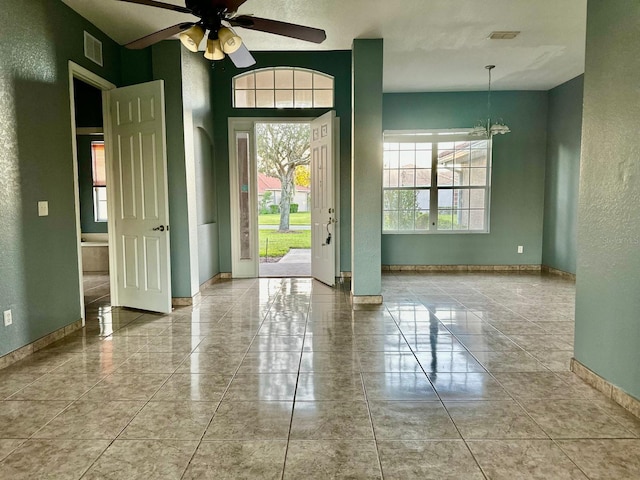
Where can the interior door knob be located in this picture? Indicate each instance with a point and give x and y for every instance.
(161, 228)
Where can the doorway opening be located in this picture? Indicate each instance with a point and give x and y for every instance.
(135, 159)
(323, 203)
(90, 182)
(283, 153)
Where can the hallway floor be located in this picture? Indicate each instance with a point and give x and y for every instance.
(96, 288)
(457, 376)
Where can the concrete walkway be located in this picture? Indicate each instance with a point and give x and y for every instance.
(296, 263)
(291, 227)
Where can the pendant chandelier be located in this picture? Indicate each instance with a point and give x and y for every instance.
(486, 129)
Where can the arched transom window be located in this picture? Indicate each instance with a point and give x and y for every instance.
(283, 87)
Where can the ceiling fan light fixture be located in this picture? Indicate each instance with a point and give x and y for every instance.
(214, 50)
(213, 14)
(229, 41)
(192, 38)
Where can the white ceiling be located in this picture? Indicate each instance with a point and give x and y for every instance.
(429, 45)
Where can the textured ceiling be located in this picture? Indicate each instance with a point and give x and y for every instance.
(429, 45)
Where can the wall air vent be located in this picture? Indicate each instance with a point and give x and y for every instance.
(92, 48)
(510, 35)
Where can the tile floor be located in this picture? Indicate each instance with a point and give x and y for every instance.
(457, 376)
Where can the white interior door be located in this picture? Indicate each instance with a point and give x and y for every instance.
(138, 197)
(323, 205)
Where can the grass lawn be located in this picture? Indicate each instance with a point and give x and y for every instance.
(301, 218)
(280, 243)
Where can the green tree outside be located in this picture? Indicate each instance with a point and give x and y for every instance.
(281, 149)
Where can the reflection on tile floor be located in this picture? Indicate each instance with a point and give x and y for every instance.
(458, 376)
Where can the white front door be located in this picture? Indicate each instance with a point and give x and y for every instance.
(139, 197)
(323, 205)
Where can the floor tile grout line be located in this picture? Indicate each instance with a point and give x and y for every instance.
(233, 376)
(117, 437)
(519, 402)
(110, 442)
(439, 398)
(373, 430)
(516, 400)
(295, 392)
(146, 403)
(96, 459)
(447, 410)
(546, 369)
(555, 442)
(10, 452)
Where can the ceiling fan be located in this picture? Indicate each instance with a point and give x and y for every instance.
(217, 17)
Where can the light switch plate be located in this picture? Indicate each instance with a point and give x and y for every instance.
(43, 209)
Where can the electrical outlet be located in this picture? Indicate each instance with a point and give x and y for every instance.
(520, 249)
(8, 319)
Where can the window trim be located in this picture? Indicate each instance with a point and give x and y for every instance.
(98, 186)
(434, 137)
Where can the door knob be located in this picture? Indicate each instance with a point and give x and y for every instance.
(161, 228)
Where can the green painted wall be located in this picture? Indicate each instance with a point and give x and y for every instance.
(188, 111)
(39, 279)
(338, 64)
(564, 133)
(136, 66)
(366, 167)
(198, 133)
(607, 338)
(517, 184)
(167, 66)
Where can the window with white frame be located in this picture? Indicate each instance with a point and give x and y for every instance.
(283, 87)
(436, 182)
(99, 173)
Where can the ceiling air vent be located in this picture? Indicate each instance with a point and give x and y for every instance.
(503, 35)
(92, 48)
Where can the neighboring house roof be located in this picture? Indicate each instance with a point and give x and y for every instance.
(266, 183)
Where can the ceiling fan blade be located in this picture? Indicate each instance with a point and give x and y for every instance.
(153, 3)
(242, 57)
(144, 42)
(292, 30)
(231, 5)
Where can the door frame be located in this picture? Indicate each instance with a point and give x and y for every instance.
(239, 124)
(87, 76)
